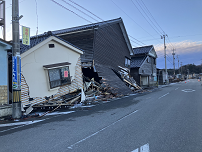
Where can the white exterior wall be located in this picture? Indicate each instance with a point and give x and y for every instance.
(34, 73)
(144, 79)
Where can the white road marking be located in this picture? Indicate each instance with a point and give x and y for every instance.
(176, 88)
(136, 150)
(71, 146)
(164, 95)
(144, 148)
(188, 90)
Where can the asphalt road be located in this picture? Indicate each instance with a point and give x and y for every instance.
(164, 120)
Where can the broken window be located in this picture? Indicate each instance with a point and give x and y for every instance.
(59, 77)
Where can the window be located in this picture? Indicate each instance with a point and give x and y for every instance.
(51, 45)
(127, 62)
(59, 77)
(58, 74)
(148, 59)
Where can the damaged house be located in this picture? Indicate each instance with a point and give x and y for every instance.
(106, 51)
(143, 66)
(51, 67)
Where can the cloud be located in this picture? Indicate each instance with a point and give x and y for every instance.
(189, 52)
(181, 48)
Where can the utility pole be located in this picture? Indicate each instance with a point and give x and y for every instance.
(178, 65)
(163, 37)
(188, 73)
(174, 61)
(181, 68)
(17, 113)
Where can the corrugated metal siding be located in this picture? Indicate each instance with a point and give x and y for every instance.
(83, 40)
(109, 78)
(110, 47)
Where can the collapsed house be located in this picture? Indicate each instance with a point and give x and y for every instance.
(51, 67)
(143, 66)
(106, 52)
(58, 65)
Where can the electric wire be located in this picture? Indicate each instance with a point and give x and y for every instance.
(114, 32)
(159, 32)
(132, 19)
(152, 16)
(92, 17)
(100, 18)
(70, 10)
(86, 10)
(79, 10)
(136, 39)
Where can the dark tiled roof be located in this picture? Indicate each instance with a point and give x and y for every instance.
(137, 61)
(33, 42)
(40, 38)
(142, 50)
(78, 28)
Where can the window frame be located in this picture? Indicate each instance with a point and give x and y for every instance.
(127, 62)
(67, 79)
(58, 66)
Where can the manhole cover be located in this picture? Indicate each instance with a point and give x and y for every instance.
(188, 90)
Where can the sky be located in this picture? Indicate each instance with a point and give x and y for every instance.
(145, 22)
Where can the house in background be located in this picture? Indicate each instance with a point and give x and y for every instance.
(50, 67)
(161, 76)
(105, 46)
(143, 66)
(5, 108)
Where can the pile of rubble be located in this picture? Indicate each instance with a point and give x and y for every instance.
(91, 93)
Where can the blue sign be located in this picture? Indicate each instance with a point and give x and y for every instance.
(15, 74)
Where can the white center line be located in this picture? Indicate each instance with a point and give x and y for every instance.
(144, 148)
(176, 88)
(71, 147)
(164, 95)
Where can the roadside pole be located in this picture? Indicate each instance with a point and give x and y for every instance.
(16, 101)
(163, 37)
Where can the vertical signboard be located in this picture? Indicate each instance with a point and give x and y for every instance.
(15, 76)
(15, 73)
(25, 35)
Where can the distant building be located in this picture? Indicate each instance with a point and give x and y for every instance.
(143, 66)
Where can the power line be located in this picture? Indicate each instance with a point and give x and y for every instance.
(136, 39)
(114, 32)
(94, 15)
(70, 10)
(79, 10)
(86, 10)
(132, 19)
(152, 16)
(147, 17)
